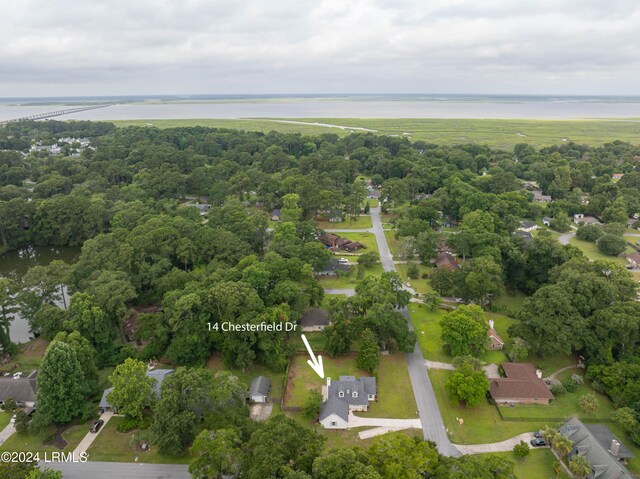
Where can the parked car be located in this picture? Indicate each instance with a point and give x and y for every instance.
(538, 442)
(538, 434)
(97, 425)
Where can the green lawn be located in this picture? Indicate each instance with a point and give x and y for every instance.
(316, 340)
(111, 445)
(428, 330)
(5, 417)
(482, 424)
(563, 406)
(510, 302)
(367, 239)
(591, 250)
(39, 442)
(392, 242)
(373, 202)
(303, 379)
(420, 285)
(362, 222)
(538, 465)
(349, 281)
(216, 364)
(395, 394)
(502, 133)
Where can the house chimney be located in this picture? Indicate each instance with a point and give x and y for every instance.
(491, 323)
(615, 447)
(539, 373)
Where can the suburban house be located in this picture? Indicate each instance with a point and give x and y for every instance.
(158, 374)
(496, 341)
(581, 219)
(352, 246)
(259, 389)
(600, 447)
(21, 390)
(275, 215)
(538, 197)
(446, 260)
(634, 260)
(523, 384)
(525, 235)
(547, 220)
(335, 242)
(617, 176)
(347, 394)
(203, 208)
(527, 226)
(314, 319)
(335, 265)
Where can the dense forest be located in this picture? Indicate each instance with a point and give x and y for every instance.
(121, 200)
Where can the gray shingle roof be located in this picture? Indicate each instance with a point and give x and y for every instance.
(22, 390)
(315, 317)
(334, 405)
(260, 385)
(603, 464)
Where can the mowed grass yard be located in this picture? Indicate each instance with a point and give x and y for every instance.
(429, 333)
(538, 465)
(591, 250)
(395, 395)
(482, 424)
(114, 446)
(215, 363)
(40, 442)
(502, 133)
(361, 222)
(350, 280)
(564, 405)
(29, 358)
(420, 285)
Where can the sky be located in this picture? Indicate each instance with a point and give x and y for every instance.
(154, 47)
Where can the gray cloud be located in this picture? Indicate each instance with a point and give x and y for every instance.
(108, 47)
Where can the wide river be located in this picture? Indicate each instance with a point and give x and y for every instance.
(16, 263)
(342, 108)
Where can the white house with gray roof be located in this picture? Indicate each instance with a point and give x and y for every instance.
(347, 394)
(259, 389)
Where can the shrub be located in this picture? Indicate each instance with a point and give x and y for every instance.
(558, 389)
(127, 424)
(311, 407)
(576, 378)
(22, 421)
(413, 272)
(589, 403)
(9, 405)
(521, 450)
(570, 386)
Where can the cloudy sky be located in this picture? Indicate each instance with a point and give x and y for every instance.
(120, 47)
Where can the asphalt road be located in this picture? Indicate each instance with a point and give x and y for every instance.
(432, 424)
(119, 470)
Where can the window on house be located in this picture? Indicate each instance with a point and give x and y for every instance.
(341, 394)
(333, 423)
(355, 394)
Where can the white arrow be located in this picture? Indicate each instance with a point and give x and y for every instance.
(316, 364)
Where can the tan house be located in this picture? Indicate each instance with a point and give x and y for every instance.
(523, 384)
(446, 260)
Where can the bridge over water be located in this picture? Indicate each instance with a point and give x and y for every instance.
(52, 114)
